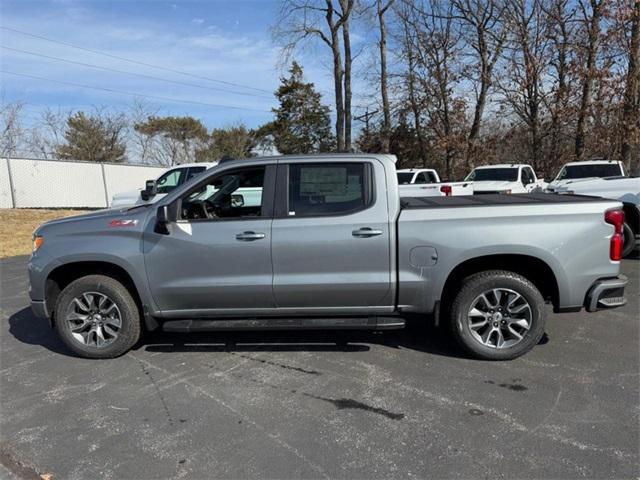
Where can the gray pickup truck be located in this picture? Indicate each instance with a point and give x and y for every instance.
(326, 242)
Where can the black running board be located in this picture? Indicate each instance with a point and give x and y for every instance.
(346, 323)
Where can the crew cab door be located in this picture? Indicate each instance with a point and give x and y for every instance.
(330, 237)
(217, 256)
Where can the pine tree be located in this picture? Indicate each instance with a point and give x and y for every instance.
(302, 123)
(94, 138)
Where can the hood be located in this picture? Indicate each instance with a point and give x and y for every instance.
(561, 183)
(101, 217)
(492, 185)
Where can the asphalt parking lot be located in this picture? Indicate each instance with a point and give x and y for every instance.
(320, 404)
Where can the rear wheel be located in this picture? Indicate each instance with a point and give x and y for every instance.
(96, 317)
(629, 240)
(497, 315)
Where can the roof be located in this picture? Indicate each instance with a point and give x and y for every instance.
(321, 156)
(410, 170)
(593, 162)
(199, 164)
(504, 165)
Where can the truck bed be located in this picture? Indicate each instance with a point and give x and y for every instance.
(408, 203)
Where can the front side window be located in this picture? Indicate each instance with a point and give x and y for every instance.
(326, 189)
(170, 180)
(421, 178)
(233, 194)
(493, 174)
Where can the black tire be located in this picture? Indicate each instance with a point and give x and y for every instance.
(472, 287)
(129, 330)
(629, 241)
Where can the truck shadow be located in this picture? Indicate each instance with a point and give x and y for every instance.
(420, 336)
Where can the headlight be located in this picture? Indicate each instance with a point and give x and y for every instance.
(37, 242)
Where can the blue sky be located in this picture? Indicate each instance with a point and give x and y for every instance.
(225, 40)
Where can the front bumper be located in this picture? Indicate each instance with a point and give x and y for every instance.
(39, 308)
(606, 293)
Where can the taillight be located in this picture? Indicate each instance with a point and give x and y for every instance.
(615, 218)
(446, 189)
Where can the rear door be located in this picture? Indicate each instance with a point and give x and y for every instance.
(330, 236)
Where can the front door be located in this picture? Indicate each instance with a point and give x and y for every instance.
(217, 257)
(330, 237)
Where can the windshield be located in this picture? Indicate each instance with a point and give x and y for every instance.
(170, 180)
(405, 177)
(586, 171)
(489, 174)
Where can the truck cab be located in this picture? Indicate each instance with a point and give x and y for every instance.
(579, 171)
(504, 178)
(411, 176)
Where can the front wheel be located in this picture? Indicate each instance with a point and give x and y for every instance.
(96, 317)
(497, 315)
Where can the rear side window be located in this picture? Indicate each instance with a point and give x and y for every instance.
(327, 189)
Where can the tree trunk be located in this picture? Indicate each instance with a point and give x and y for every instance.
(631, 109)
(485, 81)
(346, 9)
(593, 39)
(337, 77)
(386, 110)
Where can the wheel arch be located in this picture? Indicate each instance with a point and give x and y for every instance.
(62, 275)
(534, 269)
(632, 216)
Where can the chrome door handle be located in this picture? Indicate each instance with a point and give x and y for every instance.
(366, 232)
(250, 236)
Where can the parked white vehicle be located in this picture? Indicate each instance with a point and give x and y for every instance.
(624, 189)
(425, 182)
(170, 179)
(505, 178)
(576, 171)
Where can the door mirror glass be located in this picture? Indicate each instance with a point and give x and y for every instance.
(150, 190)
(166, 215)
(237, 200)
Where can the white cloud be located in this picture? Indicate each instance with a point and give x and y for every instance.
(198, 21)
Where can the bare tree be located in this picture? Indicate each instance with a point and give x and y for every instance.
(145, 148)
(437, 49)
(381, 10)
(521, 82)
(592, 11)
(346, 7)
(300, 20)
(12, 133)
(559, 15)
(48, 133)
(483, 27)
(631, 108)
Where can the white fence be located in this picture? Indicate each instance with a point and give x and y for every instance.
(28, 183)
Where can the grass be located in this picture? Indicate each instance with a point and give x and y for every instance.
(17, 226)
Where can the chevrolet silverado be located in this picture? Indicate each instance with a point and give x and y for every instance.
(329, 244)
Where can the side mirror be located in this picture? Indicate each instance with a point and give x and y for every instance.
(237, 200)
(165, 216)
(150, 190)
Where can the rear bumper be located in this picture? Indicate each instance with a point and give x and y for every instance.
(606, 293)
